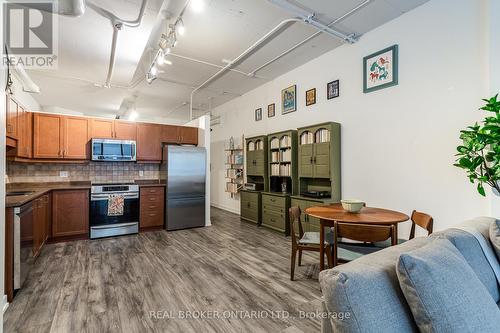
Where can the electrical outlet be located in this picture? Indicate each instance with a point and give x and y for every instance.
(64, 174)
(141, 173)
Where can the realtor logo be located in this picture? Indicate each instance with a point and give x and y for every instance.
(30, 34)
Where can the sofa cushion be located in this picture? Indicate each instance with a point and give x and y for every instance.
(495, 236)
(444, 293)
(368, 290)
(471, 250)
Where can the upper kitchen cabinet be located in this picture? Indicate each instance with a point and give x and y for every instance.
(113, 129)
(188, 135)
(11, 118)
(149, 137)
(179, 134)
(102, 128)
(76, 136)
(47, 135)
(58, 137)
(125, 130)
(24, 133)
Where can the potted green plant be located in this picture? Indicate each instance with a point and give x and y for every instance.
(479, 154)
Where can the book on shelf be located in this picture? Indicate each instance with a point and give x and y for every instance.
(232, 187)
(275, 143)
(323, 135)
(286, 155)
(306, 138)
(285, 141)
(234, 159)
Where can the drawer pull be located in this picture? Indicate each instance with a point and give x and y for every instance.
(273, 200)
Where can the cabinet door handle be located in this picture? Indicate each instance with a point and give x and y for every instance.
(311, 160)
(314, 159)
(272, 200)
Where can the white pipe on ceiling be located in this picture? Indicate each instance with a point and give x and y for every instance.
(118, 24)
(302, 16)
(245, 53)
(317, 33)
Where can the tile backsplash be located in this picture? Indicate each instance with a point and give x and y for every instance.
(92, 171)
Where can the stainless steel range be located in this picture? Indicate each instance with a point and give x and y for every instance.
(123, 221)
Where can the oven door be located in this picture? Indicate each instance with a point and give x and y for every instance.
(99, 210)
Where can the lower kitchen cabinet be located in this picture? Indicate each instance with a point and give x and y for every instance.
(275, 211)
(152, 203)
(41, 223)
(70, 213)
(250, 209)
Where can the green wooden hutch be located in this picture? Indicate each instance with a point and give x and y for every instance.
(319, 167)
(256, 172)
(283, 179)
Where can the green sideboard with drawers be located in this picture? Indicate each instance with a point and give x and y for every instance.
(250, 206)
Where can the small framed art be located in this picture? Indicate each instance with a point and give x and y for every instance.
(311, 97)
(289, 99)
(258, 114)
(332, 89)
(271, 110)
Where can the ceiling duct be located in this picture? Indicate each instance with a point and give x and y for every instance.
(71, 7)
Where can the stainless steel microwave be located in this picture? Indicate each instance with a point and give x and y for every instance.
(113, 150)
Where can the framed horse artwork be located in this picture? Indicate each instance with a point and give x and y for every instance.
(380, 69)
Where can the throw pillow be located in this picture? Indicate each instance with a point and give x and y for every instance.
(495, 236)
(443, 292)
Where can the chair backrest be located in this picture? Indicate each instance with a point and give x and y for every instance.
(294, 213)
(363, 232)
(423, 220)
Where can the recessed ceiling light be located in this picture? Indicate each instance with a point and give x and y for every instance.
(197, 5)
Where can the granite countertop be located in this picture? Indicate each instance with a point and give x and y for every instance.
(39, 189)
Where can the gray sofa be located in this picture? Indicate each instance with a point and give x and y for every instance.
(364, 295)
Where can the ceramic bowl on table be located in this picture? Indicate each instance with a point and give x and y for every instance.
(352, 206)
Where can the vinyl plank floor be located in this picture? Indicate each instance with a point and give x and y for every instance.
(230, 277)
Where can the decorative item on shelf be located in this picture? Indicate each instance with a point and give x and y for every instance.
(258, 114)
(284, 188)
(234, 170)
(333, 89)
(352, 206)
(289, 99)
(479, 154)
(380, 69)
(311, 97)
(271, 110)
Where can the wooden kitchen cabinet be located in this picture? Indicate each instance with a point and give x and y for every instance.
(76, 136)
(125, 130)
(41, 220)
(188, 135)
(149, 142)
(152, 207)
(102, 128)
(24, 144)
(11, 118)
(47, 135)
(179, 134)
(70, 213)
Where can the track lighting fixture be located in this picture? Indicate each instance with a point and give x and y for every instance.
(180, 27)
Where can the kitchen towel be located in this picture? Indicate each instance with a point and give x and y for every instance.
(115, 204)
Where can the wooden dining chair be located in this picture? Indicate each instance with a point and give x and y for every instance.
(306, 241)
(366, 233)
(423, 220)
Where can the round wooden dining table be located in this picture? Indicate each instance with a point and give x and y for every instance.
(329, 214)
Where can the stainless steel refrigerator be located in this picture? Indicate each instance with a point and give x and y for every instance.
(184, 170)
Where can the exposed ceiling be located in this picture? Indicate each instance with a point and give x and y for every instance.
(223, 30)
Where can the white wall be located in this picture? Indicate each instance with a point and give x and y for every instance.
(203, 123)
(398, 144)
(25, 99)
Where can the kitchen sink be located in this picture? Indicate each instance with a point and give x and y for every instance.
(19, 193)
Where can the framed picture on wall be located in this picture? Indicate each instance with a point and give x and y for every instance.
(271, 110)
(380, 69)
(258, 114)
(311, 97)
(289, 99)
(332, 89)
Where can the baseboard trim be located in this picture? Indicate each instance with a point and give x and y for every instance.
(228, 209)
(5, 304)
